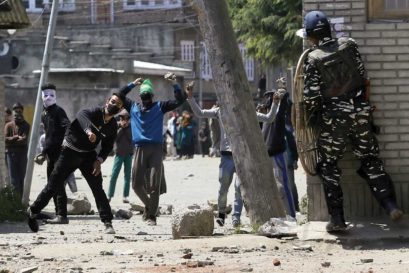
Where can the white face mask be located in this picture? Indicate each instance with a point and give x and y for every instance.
(49, 97)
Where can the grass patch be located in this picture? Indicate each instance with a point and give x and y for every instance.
(11, 208)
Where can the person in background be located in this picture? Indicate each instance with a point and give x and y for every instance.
(204, 139)
(16, 134)
(123, 148)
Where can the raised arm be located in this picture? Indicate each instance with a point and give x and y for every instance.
(180, 96)
(199, 112)
(126, 89)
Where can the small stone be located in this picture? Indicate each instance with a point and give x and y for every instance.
(187, 255)
(303, 247)
(106, 253)
(192, 264)
(276, 262)
(62, 232)
(276, 248)
(156, 264)
(50, 259)
(186, 250)
(119, 237)
(218, 248)
(142, 233)
(246, 269)
(159, 255)
(325, 264)
(29, 269)
(173, 269)
(366, 261)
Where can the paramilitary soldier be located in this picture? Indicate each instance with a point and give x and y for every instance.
(335, 102)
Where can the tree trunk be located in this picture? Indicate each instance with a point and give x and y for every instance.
(253, 165)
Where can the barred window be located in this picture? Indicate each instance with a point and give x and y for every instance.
(205, 69)
(38, 5)
(388, 9)
(151, 4)
(248, 62)
(187, 50)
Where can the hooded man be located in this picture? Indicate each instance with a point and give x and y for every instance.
(147, 136)
(55, 123)
(91, 127)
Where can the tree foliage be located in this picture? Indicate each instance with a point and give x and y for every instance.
(268, 28)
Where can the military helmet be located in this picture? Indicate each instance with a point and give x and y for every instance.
(317, 25)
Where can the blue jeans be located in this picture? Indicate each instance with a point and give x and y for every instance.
(226, 172)
(283, 185)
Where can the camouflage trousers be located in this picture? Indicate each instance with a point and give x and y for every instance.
(335, 131)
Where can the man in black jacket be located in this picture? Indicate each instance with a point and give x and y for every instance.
(56, 123)
(91, 127)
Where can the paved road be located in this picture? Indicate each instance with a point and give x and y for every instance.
(192, 181)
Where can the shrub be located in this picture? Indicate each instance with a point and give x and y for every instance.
(11, 208)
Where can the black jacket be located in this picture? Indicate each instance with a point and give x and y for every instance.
(274, 133)
(56, 123)
(92, 119)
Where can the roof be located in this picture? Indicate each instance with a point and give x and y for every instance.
(148, 68)
(13, 15)
(81, 70)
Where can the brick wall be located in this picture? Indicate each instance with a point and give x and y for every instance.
(385, 51)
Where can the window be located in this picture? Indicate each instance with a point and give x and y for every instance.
(38, 5)
(248, 63)
(151, 4)
(205, 69)
(388, 9)
(34, 5)
(187, 50)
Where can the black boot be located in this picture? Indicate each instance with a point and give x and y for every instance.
(336, 223)
(392, 209)
(220, 219)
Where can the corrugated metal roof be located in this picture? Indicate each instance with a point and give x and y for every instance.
(81, 70)
(16, 17)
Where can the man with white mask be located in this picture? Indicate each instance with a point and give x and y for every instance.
(55, 122)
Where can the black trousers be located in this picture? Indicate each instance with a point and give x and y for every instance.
(60, 198)
(68, 162)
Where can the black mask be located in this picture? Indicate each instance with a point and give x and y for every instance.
(112, 109)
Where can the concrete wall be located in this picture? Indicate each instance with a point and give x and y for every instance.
(385, 51)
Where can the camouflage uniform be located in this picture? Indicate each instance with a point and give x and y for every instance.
(342, 114)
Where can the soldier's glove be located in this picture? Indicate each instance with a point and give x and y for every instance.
(39, 159)
(170, 76)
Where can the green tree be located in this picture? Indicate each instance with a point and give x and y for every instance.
(268, 28)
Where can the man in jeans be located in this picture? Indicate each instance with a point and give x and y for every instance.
(226, 167)
(91, 127)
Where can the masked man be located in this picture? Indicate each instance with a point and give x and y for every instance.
(56, 123)
(147, 136)
(91, 127)
(335, 103)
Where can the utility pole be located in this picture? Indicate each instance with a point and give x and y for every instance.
(238, 113)
(39, 105)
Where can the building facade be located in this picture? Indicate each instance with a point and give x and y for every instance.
(381, 30)
(97, 36)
